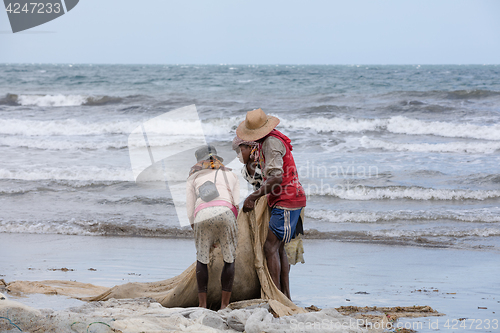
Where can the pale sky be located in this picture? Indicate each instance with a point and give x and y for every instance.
(263, 32)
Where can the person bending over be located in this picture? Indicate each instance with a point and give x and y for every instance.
(286, 197)
(212, 191)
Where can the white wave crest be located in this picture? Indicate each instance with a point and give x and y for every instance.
(437, 232)
(321, 124)
(339, 216)
(224, 127)
(46, 144)
(63, 127)
(452, 147)
(44, 227)
(412, 193)
(82, 143)
(406, 125)
(84, 173)
(52, 100)
(161, 128)
(397, 124)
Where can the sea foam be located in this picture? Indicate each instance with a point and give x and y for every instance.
(400, 192)
(223, 127)
(341, 216)
(58, 100)
(451, 147)
(81, 173)
(63, 127)
(397, 124)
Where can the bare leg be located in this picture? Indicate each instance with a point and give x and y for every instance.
(202, 300)
(285, 270)
(202, 279)
(226, 296)
(227, 279)
(271, 251)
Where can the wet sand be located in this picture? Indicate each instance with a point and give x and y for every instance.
(458, 283)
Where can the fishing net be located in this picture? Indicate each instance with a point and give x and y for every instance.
(252, 279)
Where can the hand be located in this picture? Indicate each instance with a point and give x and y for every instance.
(249, 204)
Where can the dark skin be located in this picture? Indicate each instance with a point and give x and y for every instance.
(246, 151)
(274, 249)
(266, 187)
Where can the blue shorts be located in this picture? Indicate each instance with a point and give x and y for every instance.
(283, 223)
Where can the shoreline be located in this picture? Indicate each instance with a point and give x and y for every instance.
(173, 233)
(452, 281)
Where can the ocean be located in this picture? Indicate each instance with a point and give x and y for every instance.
(398, 155)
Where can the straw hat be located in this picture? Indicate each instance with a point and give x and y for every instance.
(205, 152)
(256, 125)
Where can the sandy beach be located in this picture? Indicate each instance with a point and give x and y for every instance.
(458, 283)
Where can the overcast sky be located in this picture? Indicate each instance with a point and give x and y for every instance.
(263, 32)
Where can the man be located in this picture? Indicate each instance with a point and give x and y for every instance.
(285, 194)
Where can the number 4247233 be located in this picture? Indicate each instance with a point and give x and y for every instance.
(34, 8)
(478, 324)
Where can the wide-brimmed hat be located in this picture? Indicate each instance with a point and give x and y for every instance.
(256, 125)
(205, 152)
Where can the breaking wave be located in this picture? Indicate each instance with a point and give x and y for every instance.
(96, 228)
(47, 144)
(400, 192)
(63, 127)
(471, 94)
(58, 100)
(137, 199)
(224, 127)
(397, 124)
(83, 173)
(451, 147)
(93, 228)
(475, 232)
(404, 235)
(71, 127)
(339, 216)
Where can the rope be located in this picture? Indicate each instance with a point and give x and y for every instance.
(88, 326)
(76, 322)
(10, 321)
(99, 322)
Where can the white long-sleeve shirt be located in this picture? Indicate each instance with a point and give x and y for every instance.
(200, 177)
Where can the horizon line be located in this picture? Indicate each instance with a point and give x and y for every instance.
(240, 64)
